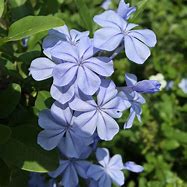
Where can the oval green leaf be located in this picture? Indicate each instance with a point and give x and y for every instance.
(31, 25)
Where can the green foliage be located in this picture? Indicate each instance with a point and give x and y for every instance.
(1, 7)
(159, 143)
(5, 133)
(17, 151)
(9, 98)
(84, 15)
(31, 25)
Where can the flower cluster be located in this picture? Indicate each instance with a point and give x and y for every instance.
(87, 102)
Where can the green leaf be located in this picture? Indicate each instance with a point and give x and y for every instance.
(5, 133)
(2, 4)
(22, 151)
(84, 13)
(43, 100)
(9, 99)
(31, 25)
(140, 8)
(169, 144)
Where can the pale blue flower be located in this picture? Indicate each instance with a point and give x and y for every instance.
(124, 10)
(80, 67)
(183, 85)
(99, 115)
(145, 86)
(132, 100)
(61, 34)
(116, 31)
(69, 170)
(109, 171)
(131, 97)
(60, 131)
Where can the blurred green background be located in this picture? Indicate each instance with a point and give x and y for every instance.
(159, 143)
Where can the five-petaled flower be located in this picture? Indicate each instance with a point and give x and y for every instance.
(116, 31)
(99, 115)
(60, 130)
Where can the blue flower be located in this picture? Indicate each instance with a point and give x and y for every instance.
(131, 97)
(145, 86)
(124, 10)
(109, 171)
(61, 34)
(60, 130)
(183, 85)
(80, 67)
(132, 100)
(99, 115)
(69, 170)
(116, 31)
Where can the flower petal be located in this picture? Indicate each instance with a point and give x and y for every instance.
(130, 79)
(132, 166)
(70, 177)
(87, 81)
(64, 73)
(62, 94)
(63, 165)
(116, 162)
(147, 36)
(130, 120)
(62, 113)
(124, 10)
(82, 168)
(95, 172)
(87, 122)
(135, 50)
(85, 48)
(41, 68)
(100, 65)
(107, 91)
(47, 121)
(107, 127)
(117, 177)
(76, 35)
(66, 52)
(105, 180)
(49, 139)
(78, 104)
(111, 19)
(70, 145)
(107, 38)
(103, 156)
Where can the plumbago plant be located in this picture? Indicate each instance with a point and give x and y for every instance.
(87, 101)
